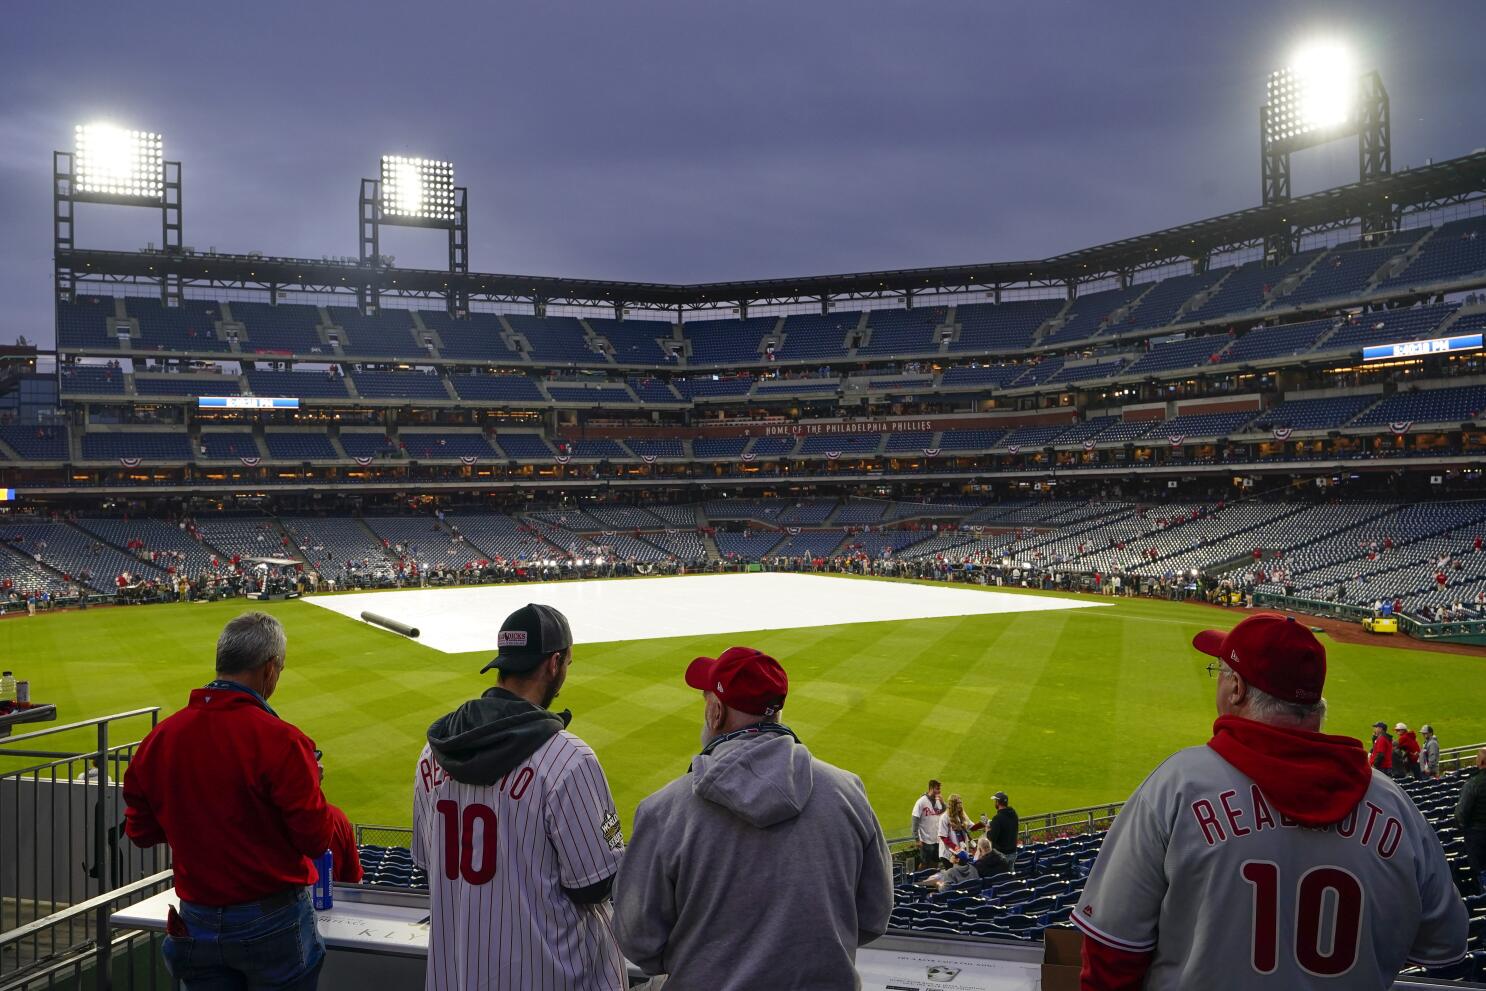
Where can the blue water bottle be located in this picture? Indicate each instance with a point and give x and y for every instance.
(323, 896)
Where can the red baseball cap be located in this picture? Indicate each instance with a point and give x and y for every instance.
(1273, 653)
(743, 678)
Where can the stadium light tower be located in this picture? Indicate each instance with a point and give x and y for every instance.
(1318, 98)
(119, 166)
(414, 192)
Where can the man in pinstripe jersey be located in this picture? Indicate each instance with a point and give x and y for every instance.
(514, 822)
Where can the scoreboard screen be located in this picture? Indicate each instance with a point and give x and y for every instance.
(1418, 349)
(245, 402)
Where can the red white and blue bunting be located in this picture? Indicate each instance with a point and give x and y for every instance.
(1088, 445)
(562, 459)
(468, 459)
(931, 452)
(1175, 440)
(1014, 448)
(249, 462)
(1400, 427)
(748, 455)
(1282, 433)
(832, 455)
(649, 459)
(130, 462)
(363, 462)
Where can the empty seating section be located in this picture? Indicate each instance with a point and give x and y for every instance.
(569, 518)
(1038, 373)
(718, 447)
(136, 444)
(191, 326)
(1460, 404)
(719, 388)
(37, 443)
(1160, 305)
(92, 380)
(859, 512)
(560, 340)
(497, 388)
(523, 446)
(775, 446)
(728, 342)
(240, 536)
(995, 376)
(222, 444)
(1313, 414)
(785, 387)
(336, 547)
(1194, 352)
(1455, 250)
(1340, 273)
(911, 441)
(1198, 425)
(425, 446)
(1088, 313)
(685, 547)
(1088, 430)
(424, 540)
(903, 332)
(24, 574)
(1283, 341)
(1248, 287)
(1124, 431)
(625, 517)
(970, 440)
(749, 547)
(810, 544)
(653, 390)
(592, 449)
(902, 384)
(658, 447)
(841, 443)
(302, 446)
(399, 385)
(1037, 436)
(83, 323)
(288, 328)
(997, 327)
(608, 395)
(187, 385)
(364, 444)
(75, 552)
(476, 337)
(766, 510)
(636, 342)
(499, 536)
(816, 335)
(1388, 326)
(166, 545)
(676, 516)
(301, 385)
(388, 334)
(1102, 369)
(885, 544)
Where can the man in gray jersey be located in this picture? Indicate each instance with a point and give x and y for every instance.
(1272, 857)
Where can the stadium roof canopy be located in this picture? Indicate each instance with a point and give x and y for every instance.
(1429, 187)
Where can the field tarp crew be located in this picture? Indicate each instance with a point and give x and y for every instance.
(1272, 857)
(235, 791)
(514, 822)
(762, 866)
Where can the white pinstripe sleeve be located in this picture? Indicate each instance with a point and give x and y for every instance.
(421, 835)
(583, 824)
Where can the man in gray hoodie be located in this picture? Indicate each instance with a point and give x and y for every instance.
(761, 867)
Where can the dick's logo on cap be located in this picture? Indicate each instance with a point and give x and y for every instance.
(512, 638)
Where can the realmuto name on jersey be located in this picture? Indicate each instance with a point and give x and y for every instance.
(519, 780)
(1234, 814)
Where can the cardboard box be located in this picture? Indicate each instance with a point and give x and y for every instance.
(1062, 951)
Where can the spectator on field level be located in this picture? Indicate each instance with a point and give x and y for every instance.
(1407, 748)
(235, 791)
(759, 843)
(1381, 756)
(514, 822)
(926, 813)
(955, 828)
(1272, 857)
(1470, 815)
(1429, 754)
(1005, 827)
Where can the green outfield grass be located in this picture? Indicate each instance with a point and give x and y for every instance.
(1059, 709)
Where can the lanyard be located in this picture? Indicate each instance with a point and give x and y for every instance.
(231, 686)
(776, 728)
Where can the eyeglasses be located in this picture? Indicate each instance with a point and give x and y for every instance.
(1216, 668)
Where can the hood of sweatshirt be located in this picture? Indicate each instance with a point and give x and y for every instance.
(1313, 778)
(485, 738)
(764, 779)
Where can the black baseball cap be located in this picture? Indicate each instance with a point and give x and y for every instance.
(528, 635)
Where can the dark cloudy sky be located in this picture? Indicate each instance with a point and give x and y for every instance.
(688, 140)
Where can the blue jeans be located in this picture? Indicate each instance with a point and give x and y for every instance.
(243, 948)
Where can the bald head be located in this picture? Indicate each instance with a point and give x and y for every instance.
(1481, 757)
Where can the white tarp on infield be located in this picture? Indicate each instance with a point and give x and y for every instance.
(464, 619)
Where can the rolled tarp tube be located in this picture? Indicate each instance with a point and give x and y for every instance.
(378, 620)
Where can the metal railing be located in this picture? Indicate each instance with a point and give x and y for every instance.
(1356, 613)
(62, 837)
(46, 953)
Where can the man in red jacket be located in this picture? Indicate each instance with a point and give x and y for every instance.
(1408, 744)
(235, 791)
(1381, 756)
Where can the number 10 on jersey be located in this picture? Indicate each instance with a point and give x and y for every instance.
(1323, 894)
(466, 832)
